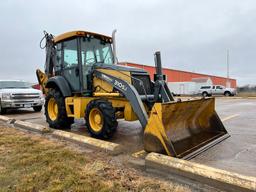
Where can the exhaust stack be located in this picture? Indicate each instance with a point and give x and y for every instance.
(114, 45)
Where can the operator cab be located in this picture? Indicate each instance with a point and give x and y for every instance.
(77, 52)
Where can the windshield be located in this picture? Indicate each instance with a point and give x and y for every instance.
(14, 84)
(96, 51)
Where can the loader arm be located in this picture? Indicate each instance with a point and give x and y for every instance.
(160, 87)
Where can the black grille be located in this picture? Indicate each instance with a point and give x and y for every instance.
(25, 95)
(139, 81)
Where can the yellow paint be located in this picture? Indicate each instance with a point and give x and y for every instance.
(79, 105)
(172, 122)
(52, 109)
(229, 181)
(42, 80)
(103, 86)
(69, 102)
(98, 94)
(96, 120)
(129, 114)
(138, 154)
(71, 34)
(155, 126)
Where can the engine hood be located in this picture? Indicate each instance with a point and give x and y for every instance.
(119, 68)
(20, 90)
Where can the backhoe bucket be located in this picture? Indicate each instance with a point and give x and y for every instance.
(183, 129)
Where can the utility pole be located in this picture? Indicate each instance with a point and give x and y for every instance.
(227, 81)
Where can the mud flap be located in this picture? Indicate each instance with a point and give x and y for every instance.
(183, 129)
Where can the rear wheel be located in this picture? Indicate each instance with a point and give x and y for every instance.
(55, 111)
(227, 93)
(100, 119)
(37, 108)
(204, 94)
(2, 110)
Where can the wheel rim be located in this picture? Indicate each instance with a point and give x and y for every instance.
(52, 109)
(96, 120)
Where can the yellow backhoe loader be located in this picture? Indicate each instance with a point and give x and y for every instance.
(83, 80)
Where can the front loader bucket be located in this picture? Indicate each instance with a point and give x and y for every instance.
(183, 129)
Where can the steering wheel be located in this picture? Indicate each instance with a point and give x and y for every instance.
(89, 60)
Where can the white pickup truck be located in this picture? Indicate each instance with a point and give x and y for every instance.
(210, 90)
(19, 94)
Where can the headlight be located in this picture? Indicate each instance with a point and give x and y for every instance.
(41, 95)
(6, 95)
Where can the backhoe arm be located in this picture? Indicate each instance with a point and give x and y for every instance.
(50, 61)
(42, 80)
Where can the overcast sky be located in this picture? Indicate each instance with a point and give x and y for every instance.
(191, 35)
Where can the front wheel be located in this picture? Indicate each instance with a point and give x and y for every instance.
(37, 108)
(100, 119)
(55, 111)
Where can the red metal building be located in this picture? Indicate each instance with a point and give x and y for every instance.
(181, 76)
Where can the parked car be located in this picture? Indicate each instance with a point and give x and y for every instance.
(19, 94)
(216, 90)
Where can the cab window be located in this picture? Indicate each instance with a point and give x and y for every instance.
(70, 53)
(205, 87)
(58, 57)
(94, 50)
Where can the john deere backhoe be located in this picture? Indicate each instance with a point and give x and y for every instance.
(83, 80)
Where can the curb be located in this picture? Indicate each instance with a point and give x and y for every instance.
(219, 97)
(31, 126)
(251, 97)
(6, 119)
(215, 177)
(109, 147)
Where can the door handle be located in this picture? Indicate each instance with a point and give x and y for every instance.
(77, 71)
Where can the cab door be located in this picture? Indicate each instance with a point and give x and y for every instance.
(219, 90)
(88, 59)
(70, 65)
(213, 90)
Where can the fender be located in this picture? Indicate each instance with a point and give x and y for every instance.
(61, 83)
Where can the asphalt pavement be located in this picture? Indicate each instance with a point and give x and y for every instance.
(237, 153)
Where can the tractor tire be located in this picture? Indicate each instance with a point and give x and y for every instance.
(2, 110)
(55, 111)
(100, 119)
(37, 108)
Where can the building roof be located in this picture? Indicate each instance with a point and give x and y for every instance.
(140, 65)
(71, 34)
